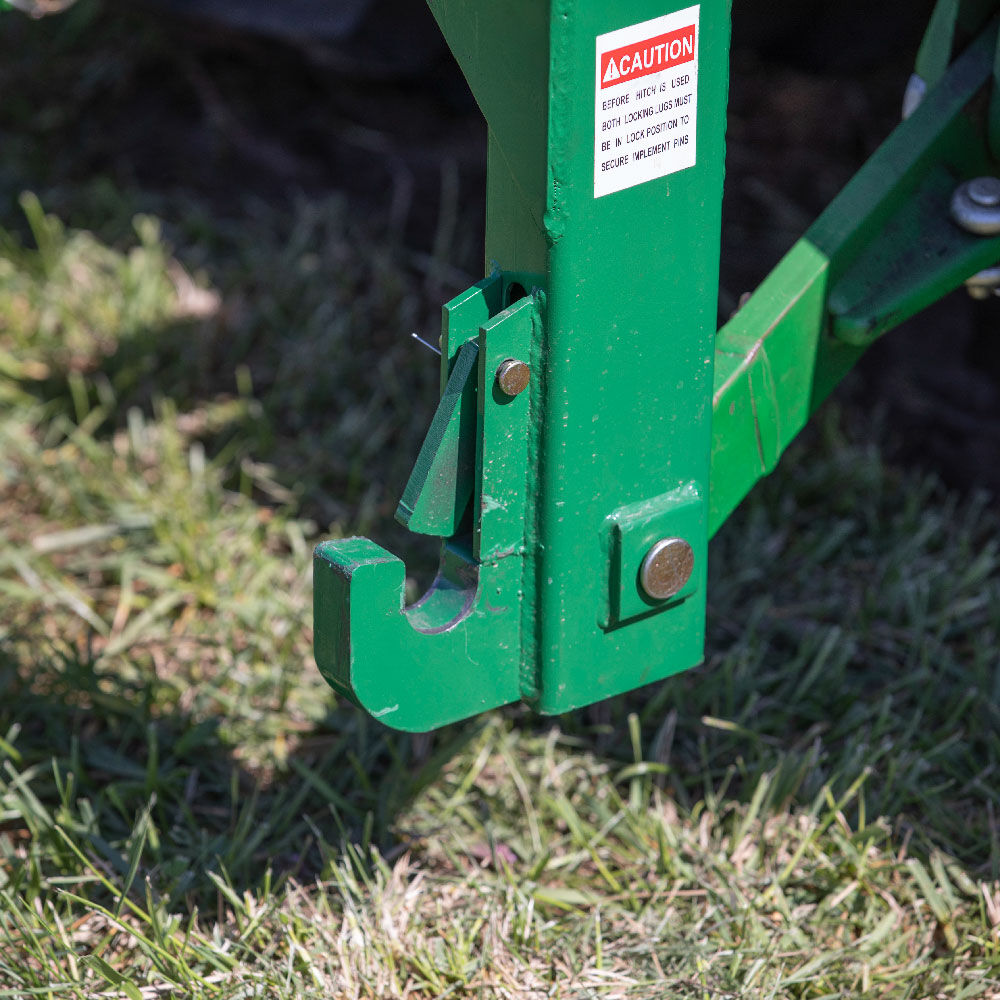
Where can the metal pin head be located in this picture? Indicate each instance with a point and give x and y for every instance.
(985, 191)
(667, 568)
(984, 284)
(513, 377)
(916, 91)
(975, 206)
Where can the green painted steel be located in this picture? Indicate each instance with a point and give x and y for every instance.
(639, 423)
(440, 489)
(458, 651)
(949, 21)
(885, 249)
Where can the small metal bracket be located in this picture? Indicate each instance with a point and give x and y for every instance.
(628, 536)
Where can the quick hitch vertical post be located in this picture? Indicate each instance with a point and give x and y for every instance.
(574, 513)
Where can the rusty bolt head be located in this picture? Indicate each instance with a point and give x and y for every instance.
(667, 568)
(513, 377)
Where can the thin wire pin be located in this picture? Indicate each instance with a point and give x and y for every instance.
(430, 347)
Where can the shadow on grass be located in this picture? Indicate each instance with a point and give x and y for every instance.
(854, 616)
(854, 628)
(323, 255)
(826, 662)
(92, 758)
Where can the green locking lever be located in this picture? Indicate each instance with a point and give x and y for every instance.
(440, 489)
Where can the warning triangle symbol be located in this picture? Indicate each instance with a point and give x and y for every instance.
(612, 73)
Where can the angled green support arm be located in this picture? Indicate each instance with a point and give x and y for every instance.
(885, 249)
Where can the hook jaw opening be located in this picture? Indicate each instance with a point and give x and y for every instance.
(398, 664)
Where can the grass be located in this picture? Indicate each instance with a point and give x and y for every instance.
(185, 809)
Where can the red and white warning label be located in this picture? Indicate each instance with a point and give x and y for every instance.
(647, 101)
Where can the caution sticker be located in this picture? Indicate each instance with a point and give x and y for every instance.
(647, 101)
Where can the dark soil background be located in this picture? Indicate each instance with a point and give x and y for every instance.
(232, 115)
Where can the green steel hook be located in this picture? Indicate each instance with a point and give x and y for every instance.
(458, 650)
